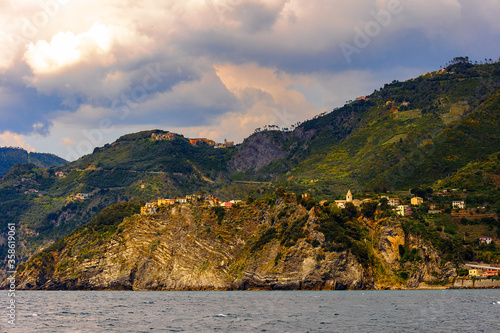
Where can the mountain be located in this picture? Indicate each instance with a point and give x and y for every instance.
(140, 166)
(10, 156)
(406, 135)
(265, 244)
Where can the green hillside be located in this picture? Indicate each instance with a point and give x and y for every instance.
(135, 167)
(481, 179)
(406, 135)
(411, 134)
(10, 156)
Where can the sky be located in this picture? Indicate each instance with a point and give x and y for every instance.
(75, 75)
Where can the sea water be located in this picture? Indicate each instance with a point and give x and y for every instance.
(256, 311)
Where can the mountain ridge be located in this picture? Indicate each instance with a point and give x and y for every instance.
(359, 146)
(9, 156)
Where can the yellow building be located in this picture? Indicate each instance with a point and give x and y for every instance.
(415, 201)
(150, 208)
(475, 272)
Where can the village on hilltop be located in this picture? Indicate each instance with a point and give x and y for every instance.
(193, 199)
(171, 136)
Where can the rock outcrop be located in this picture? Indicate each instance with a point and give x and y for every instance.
(189, 248)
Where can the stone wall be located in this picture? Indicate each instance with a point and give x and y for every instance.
(482, 283)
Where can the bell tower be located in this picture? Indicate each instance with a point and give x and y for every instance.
(348, 197)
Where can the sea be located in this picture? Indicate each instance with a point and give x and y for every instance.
(255, 311)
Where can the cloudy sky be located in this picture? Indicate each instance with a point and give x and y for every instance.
(78, 74)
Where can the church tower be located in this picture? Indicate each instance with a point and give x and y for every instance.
(348, 197)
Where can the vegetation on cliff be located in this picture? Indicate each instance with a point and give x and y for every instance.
(284, 241)
(438, 130)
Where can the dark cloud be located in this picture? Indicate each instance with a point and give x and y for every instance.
(255, 17)
(26, 110)
(157, 59)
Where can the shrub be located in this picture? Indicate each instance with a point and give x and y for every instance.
(265, 238)
(220, 212)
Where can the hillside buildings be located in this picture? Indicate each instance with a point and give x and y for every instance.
(485, 240)
(415, 201)
(194, 142)
(403, 210)
(194, 199)
(349, 198)
(212, 143)
(393, 201)
(149, 209)
(163, 137)
(228, 143)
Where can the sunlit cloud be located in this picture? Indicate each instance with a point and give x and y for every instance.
(215, 67)
(65, 48)
(9, 139)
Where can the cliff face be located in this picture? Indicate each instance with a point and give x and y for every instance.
(422, 265)
(191, 248)
(259, 150)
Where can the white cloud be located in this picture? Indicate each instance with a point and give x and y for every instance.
(8, 139)
(229, 65)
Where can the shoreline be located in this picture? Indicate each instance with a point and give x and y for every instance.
(448, 287)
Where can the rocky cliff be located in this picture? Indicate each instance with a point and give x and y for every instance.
(264, 245)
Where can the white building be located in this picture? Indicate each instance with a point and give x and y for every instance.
(485, 240)
(403, 210)
(393, 201)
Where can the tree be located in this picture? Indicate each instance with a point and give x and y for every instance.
(384, 204)
(368, 209)
(418, 192)
(350, 210)
(280, 192)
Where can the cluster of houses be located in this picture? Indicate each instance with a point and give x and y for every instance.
(82, 196)
(478, 272)
(349, 198)
(209, 142)
(163, 137)
(485, 240)
(458, 204)
(482, 270)
(171, 136)
(212, 143)
(207, 200)
(402, 210)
